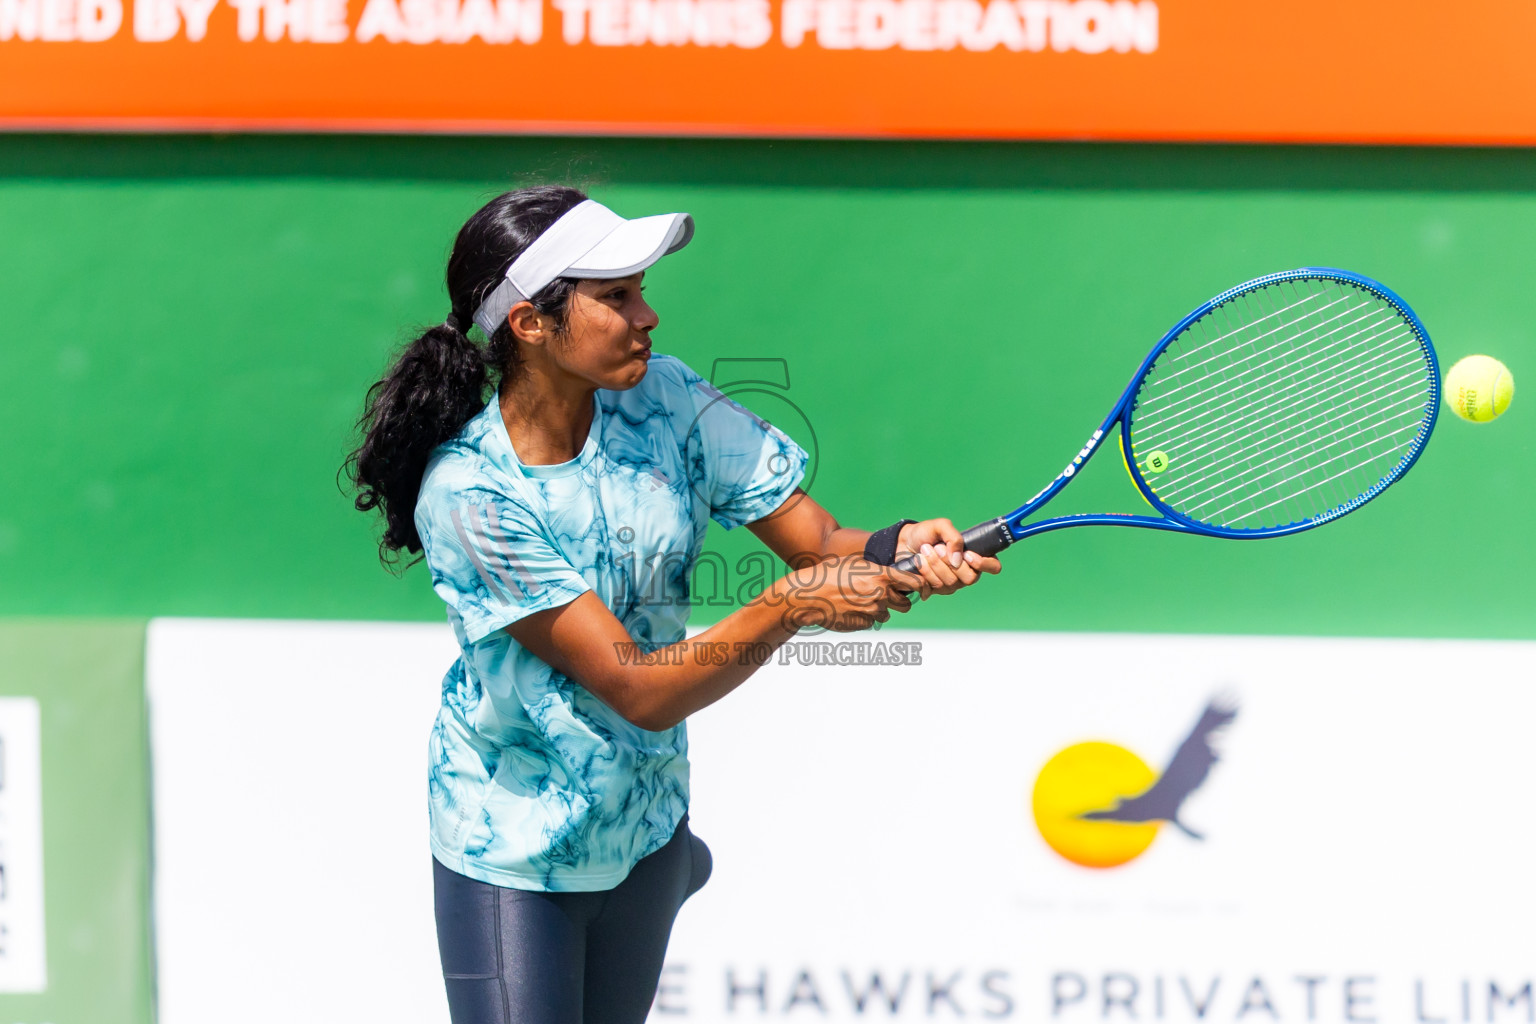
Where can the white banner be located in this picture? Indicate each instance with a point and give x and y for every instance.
(23, 951)
(905, 841)
(293, 882)
(1365, 850)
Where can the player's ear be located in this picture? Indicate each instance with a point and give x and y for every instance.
(528, 324)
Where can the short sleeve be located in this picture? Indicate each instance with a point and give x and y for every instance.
(742, 464)
(493, 564)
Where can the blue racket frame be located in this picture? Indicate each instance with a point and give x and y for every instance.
(1017, 529)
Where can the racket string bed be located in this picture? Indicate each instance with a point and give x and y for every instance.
(1203, 424)
(1401, 379)
(1266, 390)
(1223, 389)
(1352, 411)
(1272, 388)
(1334, 428)
(1286, 403)
(1386, 387)
(1209, 437)
(1223, 380)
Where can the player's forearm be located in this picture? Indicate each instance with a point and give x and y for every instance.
(802, 533)
(828, 540)
(845, 541)
(659, 690)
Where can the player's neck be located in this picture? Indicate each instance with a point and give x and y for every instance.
(547, 420)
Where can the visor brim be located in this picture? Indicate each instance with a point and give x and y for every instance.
(633, 246)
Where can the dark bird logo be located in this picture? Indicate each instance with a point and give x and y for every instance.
(1190, 767)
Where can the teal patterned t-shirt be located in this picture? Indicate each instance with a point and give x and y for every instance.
(535, 783)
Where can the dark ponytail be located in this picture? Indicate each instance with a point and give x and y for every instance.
(442, 379)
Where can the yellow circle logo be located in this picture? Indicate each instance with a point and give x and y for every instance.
(1084, 778)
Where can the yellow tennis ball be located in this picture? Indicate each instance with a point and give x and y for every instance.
(1479, 388)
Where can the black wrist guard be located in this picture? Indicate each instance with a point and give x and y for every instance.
(881, 546)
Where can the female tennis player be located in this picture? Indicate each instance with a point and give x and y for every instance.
(560, 521)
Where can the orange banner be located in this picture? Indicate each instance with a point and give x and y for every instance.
(1369, 71)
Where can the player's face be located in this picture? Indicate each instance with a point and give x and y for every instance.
(609, 333)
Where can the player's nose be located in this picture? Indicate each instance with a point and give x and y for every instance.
(645, 318)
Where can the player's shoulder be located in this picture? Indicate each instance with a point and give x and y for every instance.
(668, 388)
(669, 373)
(463, 457)
(465, 470)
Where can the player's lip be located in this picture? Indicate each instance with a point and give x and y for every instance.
(645, 351)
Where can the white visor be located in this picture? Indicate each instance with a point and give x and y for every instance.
(588, 241)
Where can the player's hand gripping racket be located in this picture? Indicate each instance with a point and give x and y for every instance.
(1280, 405)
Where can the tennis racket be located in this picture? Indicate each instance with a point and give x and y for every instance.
(1280, 405)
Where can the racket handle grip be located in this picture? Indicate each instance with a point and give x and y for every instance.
(986, 538)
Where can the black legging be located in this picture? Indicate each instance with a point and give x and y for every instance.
(510, 955)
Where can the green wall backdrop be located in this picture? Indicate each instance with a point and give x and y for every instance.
(190, 323)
